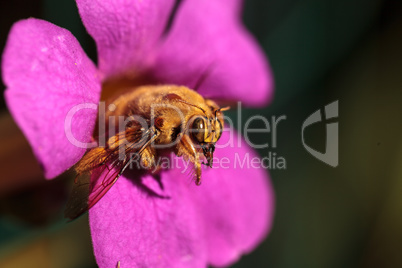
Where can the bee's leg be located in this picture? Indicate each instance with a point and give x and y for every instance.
(148, 160)
(186, 149)
(146, 154)
(197, 167)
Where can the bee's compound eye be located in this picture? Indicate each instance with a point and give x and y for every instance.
(198, 129)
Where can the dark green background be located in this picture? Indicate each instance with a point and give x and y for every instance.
(320, 52)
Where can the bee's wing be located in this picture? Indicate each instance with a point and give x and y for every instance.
(90, 186)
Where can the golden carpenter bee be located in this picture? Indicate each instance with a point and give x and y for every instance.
(143, 125)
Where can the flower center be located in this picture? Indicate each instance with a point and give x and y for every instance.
(112, 88)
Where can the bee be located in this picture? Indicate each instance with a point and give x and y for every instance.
(149, 122)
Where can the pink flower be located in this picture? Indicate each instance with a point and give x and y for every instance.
(138, 223)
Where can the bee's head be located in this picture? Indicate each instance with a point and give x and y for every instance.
(206, 132)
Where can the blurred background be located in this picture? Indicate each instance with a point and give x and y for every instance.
(320, 51)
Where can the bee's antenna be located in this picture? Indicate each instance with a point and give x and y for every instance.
(221, 110)
(183, 101)
(173, 96)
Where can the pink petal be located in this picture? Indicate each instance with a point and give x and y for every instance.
(125, 32)
(236, 200)
(208, 39)
(47, 74)
(183, 225)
